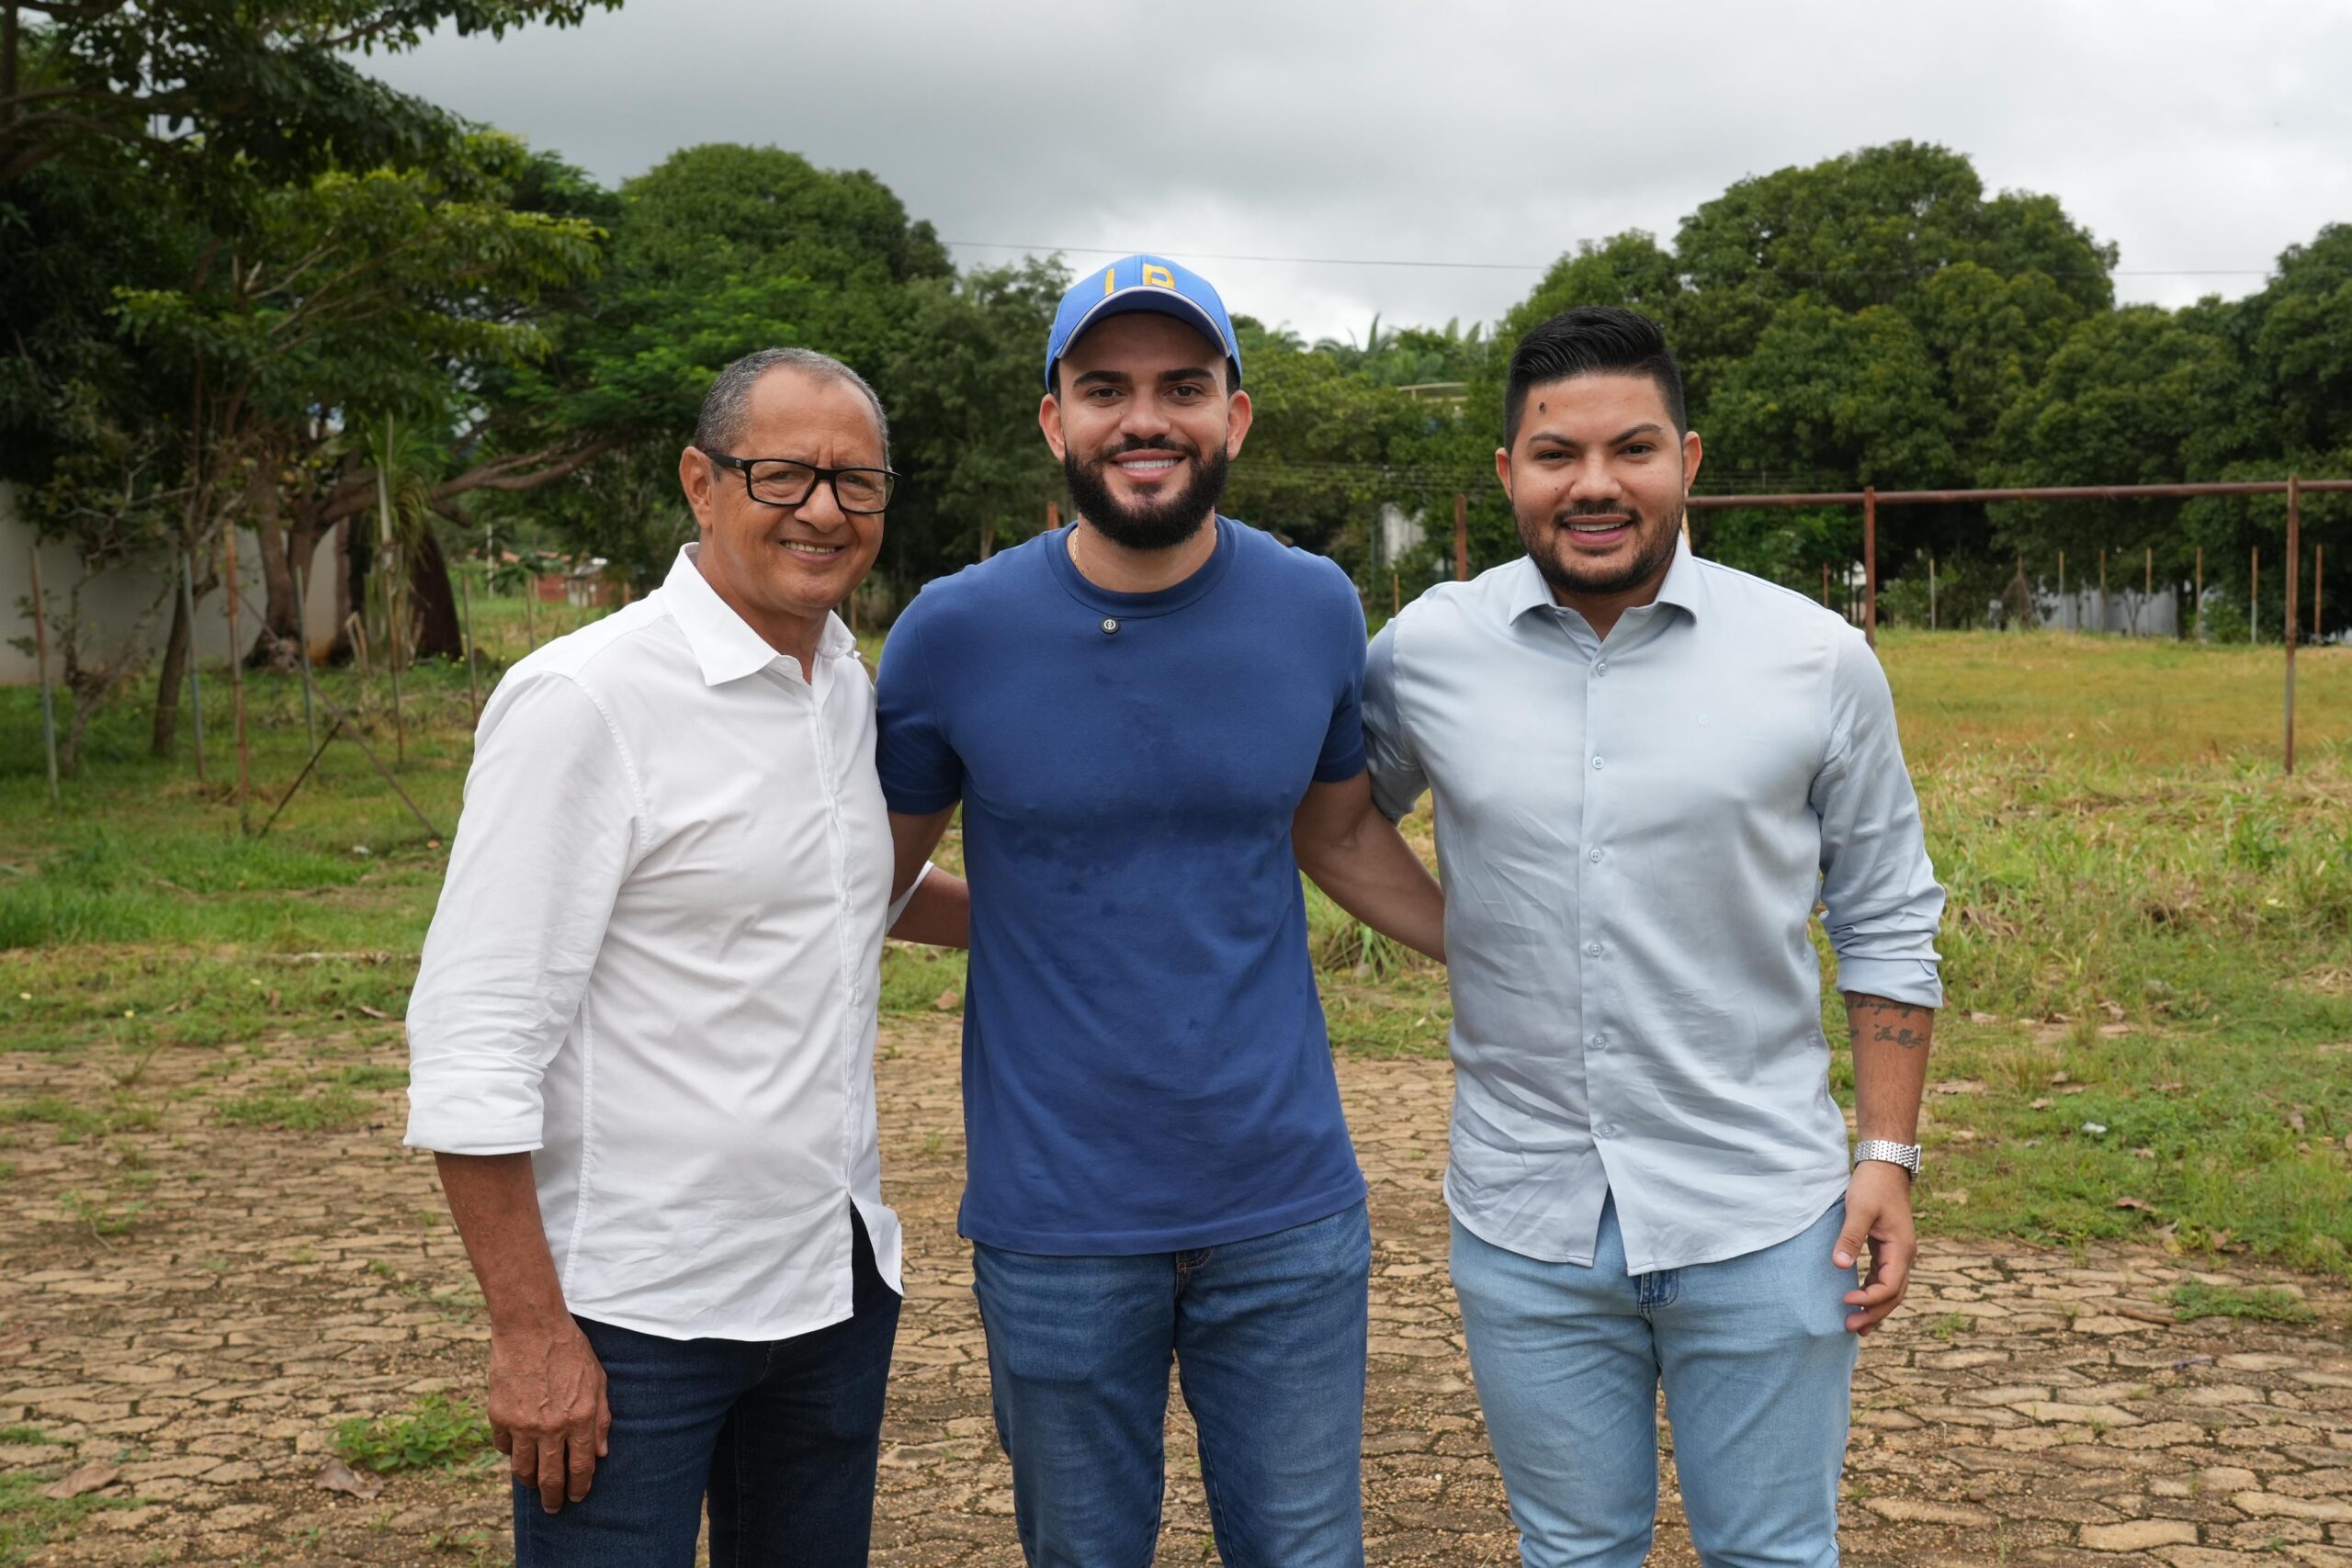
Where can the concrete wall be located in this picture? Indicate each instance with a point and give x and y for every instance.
(116, 599)
(2124, 612)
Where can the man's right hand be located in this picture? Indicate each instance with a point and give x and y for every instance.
(547, 1413)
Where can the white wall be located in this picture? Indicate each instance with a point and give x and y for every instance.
(116, 599)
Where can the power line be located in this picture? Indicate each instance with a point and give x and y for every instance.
(1546, 267)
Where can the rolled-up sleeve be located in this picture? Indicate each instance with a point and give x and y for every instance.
(1398, 780)
(548, 831)
(1878, 892)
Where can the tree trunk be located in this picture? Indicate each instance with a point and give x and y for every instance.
(277, 641)
(177, 653)
(433, 605)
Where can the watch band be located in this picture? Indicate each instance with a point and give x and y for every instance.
(1905, 1155)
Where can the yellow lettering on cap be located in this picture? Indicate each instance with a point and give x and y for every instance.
(1110, 280)
(1160, 276)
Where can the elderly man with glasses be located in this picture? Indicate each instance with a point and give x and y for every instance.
(642, 1035)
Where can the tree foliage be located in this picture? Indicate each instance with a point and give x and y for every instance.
(214, 91)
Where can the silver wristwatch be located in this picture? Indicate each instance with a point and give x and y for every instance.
(1905, 1155)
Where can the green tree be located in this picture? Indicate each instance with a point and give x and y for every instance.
(1324, 449)
(718, 251)
(2136, 396)
(224, 91)
(961, 378)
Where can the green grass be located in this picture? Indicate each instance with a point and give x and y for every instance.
(77, 1122)
(102, 1221)
(28, 1520)
(332, 1108)
(2195, 1298)
(2121, 851)
(20, 1436)
(436, 1433)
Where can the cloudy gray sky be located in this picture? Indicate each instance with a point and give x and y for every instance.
(2202, 136)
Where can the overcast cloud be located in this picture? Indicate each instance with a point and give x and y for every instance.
(2195, 134)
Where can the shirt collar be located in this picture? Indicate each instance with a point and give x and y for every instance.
(724, 645)
(1683, 587)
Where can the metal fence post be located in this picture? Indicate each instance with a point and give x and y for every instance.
(1461, 537)
(1870, 564)
(195, 681)
(40, 652)
(473, 683)
(2294, 571)
(237, 675)
(302, 653)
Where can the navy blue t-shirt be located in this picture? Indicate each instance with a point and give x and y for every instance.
(1144, 1063)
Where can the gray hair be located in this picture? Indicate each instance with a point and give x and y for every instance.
(728, 401)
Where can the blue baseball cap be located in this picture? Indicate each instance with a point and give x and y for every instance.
(1141, 282)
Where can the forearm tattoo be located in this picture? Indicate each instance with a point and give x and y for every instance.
(1889, 1023)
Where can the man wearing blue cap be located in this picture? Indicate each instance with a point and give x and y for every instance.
(1150, 721)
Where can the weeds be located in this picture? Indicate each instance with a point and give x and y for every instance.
(2195, 1298)
(28, 1520)
(436, 1434)
(333, 1109)
(103, 1223)
(74, 1123)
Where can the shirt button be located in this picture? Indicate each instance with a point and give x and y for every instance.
(1601, 1041)
(1594, 857)
(1592, 950)
(1109, 626)
(1606, 1130)
(1596, 763)
(1602, 668)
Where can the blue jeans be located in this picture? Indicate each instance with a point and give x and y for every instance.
(1758, 1367)
(1268, 1337)
(782, 1435)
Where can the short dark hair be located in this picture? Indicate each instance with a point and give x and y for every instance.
(1588, 339)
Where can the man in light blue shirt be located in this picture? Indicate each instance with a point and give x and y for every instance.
(1646, 770)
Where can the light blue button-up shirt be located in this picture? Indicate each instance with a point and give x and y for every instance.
(1634, 835)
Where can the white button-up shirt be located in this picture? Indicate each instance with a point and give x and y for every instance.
(1632, 834)
(653, 967)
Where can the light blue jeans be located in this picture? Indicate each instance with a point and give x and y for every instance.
(1268, 1337)
(1758, 1367)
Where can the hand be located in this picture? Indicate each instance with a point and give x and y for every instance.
(547, 1413)
(1878, 1209)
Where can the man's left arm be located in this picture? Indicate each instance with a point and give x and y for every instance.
(1356, 856)
(1890, 1042)
(1881, 906)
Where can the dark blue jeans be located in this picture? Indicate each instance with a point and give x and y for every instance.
(784, 1437)
(1268, 1337)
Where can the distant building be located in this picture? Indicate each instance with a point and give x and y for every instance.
(1397, 532)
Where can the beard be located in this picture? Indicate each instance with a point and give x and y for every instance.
(1654, 545)
(1155, 525)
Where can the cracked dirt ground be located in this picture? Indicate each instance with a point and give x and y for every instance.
(2027, 1407)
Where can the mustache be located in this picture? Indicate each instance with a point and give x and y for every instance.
(1166, 445)
(1586, 509)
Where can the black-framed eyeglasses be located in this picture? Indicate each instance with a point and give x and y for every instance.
(780, 482)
